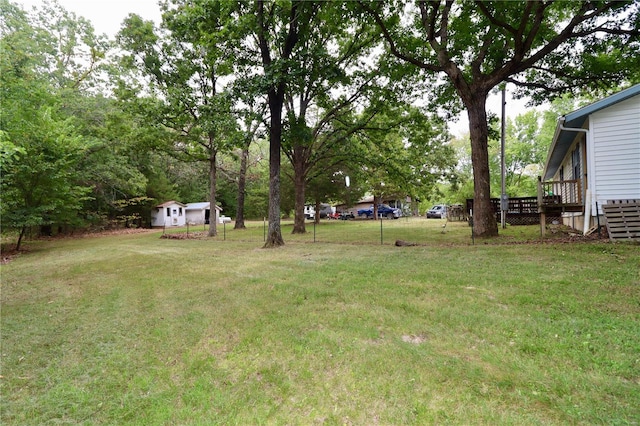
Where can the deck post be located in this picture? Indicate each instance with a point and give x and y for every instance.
(543, 218)
(540, 194)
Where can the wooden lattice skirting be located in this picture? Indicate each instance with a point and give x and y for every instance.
(623, 219)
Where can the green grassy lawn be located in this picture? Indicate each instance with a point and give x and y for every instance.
(417, 230)
(135, 329)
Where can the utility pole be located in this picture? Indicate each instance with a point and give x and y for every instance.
(504, 200)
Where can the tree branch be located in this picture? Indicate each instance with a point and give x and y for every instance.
(392, 44)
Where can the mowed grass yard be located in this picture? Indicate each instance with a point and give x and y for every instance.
(137, 329)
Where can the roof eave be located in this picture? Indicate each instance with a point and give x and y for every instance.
(550, 169)
(576, 120)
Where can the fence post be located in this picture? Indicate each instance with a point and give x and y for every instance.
(473, 234)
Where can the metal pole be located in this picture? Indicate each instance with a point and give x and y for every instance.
(503, 198)
(597, 218)
(473, 235)
(381, 231)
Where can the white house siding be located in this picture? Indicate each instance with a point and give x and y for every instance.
(195, 217)
(616, 152)
(196, 212)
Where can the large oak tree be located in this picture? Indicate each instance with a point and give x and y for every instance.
(272, 33)
(279, 27)
(544, 47)
(333, 82)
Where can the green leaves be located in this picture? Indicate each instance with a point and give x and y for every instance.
(65, 152)
(40, 183)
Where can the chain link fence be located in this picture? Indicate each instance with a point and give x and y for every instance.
(401, 231)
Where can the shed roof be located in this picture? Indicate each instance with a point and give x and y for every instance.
(563, 138)
(198, 206)
(201, 206)
(170, 203)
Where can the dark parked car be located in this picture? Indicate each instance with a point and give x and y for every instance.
(325, 210)
(383, 211)
(346, 216)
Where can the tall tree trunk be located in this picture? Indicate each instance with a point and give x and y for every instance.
(299, 181)
(213, 177)
(242, 184)
(318, 208)
(20, 237)
(484, 218)
(376, 201)
(274, 233)
(276, 101)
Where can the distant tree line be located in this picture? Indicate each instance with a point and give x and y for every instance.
(222, 99)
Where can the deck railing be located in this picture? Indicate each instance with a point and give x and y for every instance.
(560, 194)
(524, 210)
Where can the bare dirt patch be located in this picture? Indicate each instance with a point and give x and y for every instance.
(414, 339)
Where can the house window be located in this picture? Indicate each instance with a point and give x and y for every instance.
(168, 212)
(575, 162)
(179, 211)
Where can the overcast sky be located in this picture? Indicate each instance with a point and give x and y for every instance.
(107, 15)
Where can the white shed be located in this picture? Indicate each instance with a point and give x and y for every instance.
(598, 146)
(199, 213)
(171, 213)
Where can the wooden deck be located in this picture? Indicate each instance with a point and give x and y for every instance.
(521, 211)
(554, 198)
(560, 196)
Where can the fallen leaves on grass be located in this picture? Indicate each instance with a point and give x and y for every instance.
(185, 236)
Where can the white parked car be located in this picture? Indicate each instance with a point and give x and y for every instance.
(439, 211)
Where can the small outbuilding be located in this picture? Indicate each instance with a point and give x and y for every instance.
(170, 213)
(200, 213)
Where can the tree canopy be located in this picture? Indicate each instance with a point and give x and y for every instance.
(544, 47)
